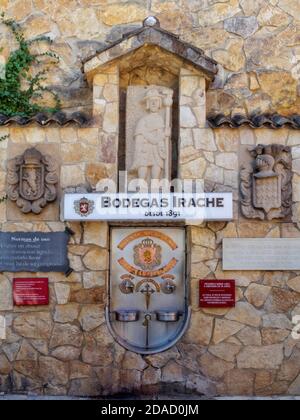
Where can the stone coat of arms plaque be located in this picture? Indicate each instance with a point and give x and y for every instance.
(32, 181)
(266, 183)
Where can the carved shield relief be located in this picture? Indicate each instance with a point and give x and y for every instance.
(32, 179)
(31, 182)
(266, 182)
(267, 192)
(148, 310)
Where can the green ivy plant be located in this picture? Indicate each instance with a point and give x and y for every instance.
(15, 100)
(2, 138)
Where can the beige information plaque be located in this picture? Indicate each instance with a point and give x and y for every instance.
(261, 254)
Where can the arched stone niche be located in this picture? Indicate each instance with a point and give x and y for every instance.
(146, 57)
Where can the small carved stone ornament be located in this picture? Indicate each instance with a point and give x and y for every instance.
(32, 179)
(266, 183)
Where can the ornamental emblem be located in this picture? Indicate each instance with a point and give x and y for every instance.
(266, 182)
(32, 179)
(147, 255)
(84, 207)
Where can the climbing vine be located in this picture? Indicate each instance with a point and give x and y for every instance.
(2, 138)
(19, 88)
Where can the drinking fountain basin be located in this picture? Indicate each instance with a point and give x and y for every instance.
(127, 316)
(168, 316)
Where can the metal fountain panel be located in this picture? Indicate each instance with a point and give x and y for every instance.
(148, 307)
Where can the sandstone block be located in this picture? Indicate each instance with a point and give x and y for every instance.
(294, 284)
(6, 303)
(95, 354)
(5, 366)
(257, 294)
(133, 361)
(228, 140)
(88, 296)
(62, 292)
(151, 376)
(66, 353)
(243, 26)
(72, 175)
(66, 335)
(239, 382)
(96, 234)
(172, 372)
(37, 325)
(96, 259)
(204, 139)
(66, 313)
(225, 329)
(250, 336)
(266, 357)
(200, 330)
(273, 336)
(120, 14)
(203, 237)
(187, 117)
(53, 371)
(91, 317)
(213, 367)
(225, 351)
(194, 169)
(94, 279)
(227, 161)
(245, 314)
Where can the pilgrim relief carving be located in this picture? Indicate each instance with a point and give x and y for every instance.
(266, 183)
(148, 132)
(32, 179)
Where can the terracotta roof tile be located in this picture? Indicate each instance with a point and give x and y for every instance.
(255, 121)
(60, 118)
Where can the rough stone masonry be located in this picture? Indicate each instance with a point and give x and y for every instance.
(66, 348)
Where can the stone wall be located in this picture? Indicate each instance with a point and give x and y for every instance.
(256, 42)
(66, 348)
(43, 345)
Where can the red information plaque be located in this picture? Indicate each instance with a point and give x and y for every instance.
(31, 291)
(217, 293)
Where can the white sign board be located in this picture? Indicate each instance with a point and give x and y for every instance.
(261, 254)
(148, 207)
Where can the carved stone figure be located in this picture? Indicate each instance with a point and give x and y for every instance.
(32, 179)
(149, 128)
(266, 183)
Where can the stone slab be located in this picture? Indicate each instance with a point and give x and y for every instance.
(261, 254)
(34, 252)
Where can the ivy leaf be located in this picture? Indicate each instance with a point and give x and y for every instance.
(13, 100)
